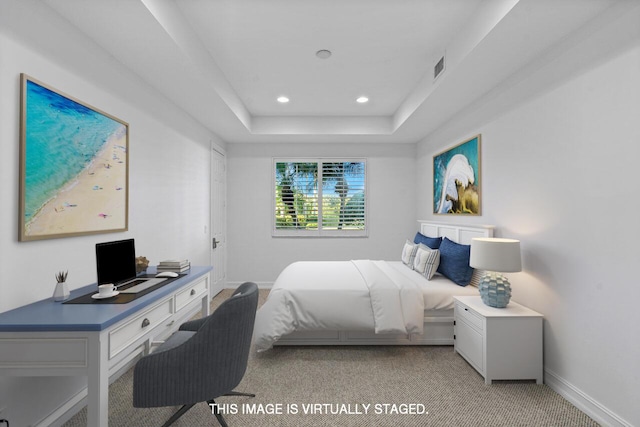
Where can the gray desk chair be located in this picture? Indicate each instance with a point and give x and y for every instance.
(205, 359)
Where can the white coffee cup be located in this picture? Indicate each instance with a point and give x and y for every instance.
(106, 289)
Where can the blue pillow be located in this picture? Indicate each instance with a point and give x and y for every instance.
(432, 242)
(454, 262)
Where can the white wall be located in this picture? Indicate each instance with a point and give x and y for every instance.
(560, 172)
(254, 255)
(169, 179)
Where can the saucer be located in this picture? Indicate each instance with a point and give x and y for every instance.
(98, 296)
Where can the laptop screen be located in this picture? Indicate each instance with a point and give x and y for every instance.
(116, 261)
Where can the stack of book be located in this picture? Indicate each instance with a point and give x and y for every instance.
(177, 266)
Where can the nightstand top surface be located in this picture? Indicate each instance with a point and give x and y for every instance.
(513, 309)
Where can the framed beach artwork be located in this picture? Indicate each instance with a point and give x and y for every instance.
(456, 179)
(74, 166)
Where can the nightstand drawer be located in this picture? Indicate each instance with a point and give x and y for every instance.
(469, 343)
(471, 317)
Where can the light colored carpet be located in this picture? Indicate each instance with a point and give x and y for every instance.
(333, 378)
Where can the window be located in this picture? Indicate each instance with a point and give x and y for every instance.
(320, 197)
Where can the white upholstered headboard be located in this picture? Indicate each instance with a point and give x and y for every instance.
(458, 233)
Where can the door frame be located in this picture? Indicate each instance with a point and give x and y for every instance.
(219, 273)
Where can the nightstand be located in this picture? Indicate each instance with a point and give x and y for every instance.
(500, 343)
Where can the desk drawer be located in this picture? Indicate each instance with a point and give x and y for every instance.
(466, 314)
(132, 330)
(191, 293)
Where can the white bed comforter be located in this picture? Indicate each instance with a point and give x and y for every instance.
(352, 295)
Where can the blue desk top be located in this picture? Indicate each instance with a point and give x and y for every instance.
(48, 315)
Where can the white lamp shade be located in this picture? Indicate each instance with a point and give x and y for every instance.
(493, 254)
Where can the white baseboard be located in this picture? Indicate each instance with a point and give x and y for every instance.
(261, 285)
(582, 401)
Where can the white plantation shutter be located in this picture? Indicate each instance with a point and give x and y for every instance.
(325, 197)
(295, 187)
(343, 195)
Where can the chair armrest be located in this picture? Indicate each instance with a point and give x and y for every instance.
(193, 325)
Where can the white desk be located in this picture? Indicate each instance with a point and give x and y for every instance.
(49, 338)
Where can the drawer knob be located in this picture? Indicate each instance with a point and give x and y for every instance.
(145, 323)
(193, 292)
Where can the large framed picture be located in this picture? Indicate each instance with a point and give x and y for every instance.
(74, 166)
(456, 179)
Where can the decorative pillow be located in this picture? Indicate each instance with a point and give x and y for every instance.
(454, 262)
(432, 242)
(408, 253)
(426, 261)
(476, 276)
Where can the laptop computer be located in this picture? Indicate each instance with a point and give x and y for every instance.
(116, 263)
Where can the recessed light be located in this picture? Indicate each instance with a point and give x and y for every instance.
(323, 53)
(362, 100)
(283, 99)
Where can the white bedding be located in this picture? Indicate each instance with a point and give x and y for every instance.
(380, 296)
(439, 291)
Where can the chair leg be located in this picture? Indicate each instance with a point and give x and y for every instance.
(214, 410)
(214, 407)
(237, 393)
(177, 415)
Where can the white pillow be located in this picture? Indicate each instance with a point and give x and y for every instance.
(476, 276)
(408, 253)
(426, 261)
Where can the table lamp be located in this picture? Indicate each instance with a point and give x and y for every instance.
(495, 256)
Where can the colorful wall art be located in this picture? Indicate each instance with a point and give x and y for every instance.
(456, 179)
(74, 167)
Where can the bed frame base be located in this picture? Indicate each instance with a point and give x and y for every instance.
(437, 331)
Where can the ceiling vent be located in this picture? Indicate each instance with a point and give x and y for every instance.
(439, 68)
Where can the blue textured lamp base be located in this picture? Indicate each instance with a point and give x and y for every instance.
(495, 290)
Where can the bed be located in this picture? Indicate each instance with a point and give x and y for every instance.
(364, 302)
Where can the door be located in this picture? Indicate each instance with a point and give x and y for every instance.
(218, 220)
